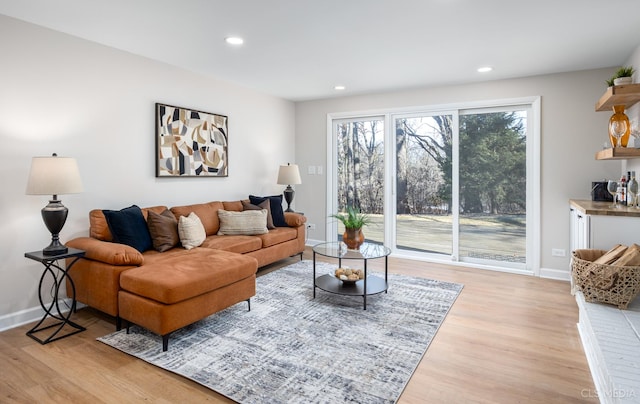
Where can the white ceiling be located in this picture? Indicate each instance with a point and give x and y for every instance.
(301, 49)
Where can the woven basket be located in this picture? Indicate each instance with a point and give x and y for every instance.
(604, 283)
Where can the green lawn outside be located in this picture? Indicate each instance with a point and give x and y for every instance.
(495, 237)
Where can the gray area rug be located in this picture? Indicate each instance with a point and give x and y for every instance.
(291, 348)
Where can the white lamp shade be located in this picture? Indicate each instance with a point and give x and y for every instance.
(54, 176)
(289, 175)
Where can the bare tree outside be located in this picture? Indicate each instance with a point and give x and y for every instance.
(361, 166)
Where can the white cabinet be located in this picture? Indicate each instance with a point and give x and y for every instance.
(579, 233)
(607, 231)
(602, 231)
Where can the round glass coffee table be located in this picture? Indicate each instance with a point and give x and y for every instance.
(370, 285)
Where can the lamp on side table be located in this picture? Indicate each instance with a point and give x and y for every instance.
(54, 176)
(289, 175)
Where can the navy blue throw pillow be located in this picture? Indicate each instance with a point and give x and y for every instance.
(128, 227)
(275, 202)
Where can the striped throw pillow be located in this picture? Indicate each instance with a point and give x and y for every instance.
(246, 223)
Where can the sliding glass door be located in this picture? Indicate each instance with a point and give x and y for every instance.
(493, 186)
(424, 220)
(360, 172)
(459, 182)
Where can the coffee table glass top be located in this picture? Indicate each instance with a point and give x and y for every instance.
(338, 249)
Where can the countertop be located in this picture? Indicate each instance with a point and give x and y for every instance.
(603, 208)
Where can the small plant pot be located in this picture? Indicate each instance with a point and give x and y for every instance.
(622, 81)
(353, 238)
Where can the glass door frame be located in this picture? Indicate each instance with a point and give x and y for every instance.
(455, 199)
(331, 226)
(533, 198)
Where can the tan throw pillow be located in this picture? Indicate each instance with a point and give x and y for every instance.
(191, 231)
(163, 228)
(246, 205)
(245, 223)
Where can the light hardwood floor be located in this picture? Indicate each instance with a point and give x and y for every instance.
(508, 339)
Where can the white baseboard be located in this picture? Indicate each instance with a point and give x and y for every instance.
(312, 242)
(558, 274)
(27, 316)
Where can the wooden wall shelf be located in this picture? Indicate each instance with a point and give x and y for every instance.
(626, 95)
(618, 153)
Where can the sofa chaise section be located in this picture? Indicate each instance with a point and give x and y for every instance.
(175, 292)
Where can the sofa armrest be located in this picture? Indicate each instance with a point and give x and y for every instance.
(107, 252)
(294, 219)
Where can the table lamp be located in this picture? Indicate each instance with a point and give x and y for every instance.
(288, 175)
(54, 176)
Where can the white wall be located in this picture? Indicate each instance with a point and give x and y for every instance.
(633, 113)
(67, 95)
(572, 132)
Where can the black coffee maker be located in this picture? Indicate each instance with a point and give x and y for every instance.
(599, 192)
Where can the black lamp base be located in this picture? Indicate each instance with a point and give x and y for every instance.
(54, 216)
(288, 196)
(55, 249)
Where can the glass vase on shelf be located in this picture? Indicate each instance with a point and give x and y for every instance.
(619, 122)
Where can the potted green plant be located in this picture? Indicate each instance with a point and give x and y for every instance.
(353, 221)
(622, 76)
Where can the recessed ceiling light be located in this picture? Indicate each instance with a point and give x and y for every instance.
(485, 69)
(234, 40)
(339, 88)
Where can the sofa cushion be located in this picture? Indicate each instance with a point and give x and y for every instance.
(207, 212)
(107, 252)
(187, 275)
(99, 229)
(191, 231)
(163, 229)
(235, 206)
(275, 203)
(245, 223)
(294, 219)
(236, 244)
(127, 226)
(277, 236)
(246, 205)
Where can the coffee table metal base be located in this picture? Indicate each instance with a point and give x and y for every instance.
(332, 284)
(370, 285)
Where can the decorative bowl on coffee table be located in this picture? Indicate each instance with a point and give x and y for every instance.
(349, 276)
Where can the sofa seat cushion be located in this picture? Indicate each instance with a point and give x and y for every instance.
(183, 277)
(236, 244)
(153, 256)
(277, 236)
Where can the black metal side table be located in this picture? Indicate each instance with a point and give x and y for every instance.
(58, 274)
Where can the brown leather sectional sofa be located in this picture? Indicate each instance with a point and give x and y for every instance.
(165, 291)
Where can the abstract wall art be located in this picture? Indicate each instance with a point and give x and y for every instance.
(190, 143)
